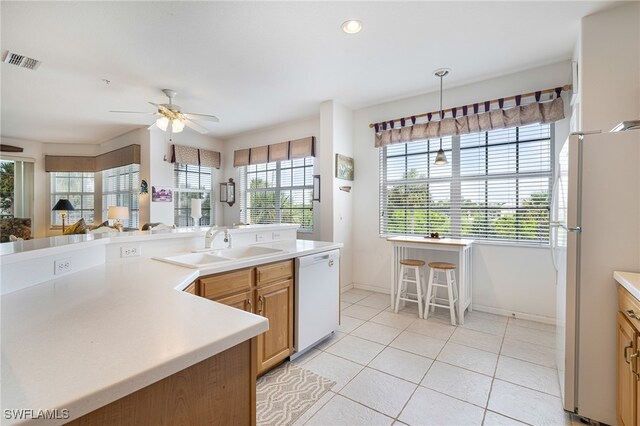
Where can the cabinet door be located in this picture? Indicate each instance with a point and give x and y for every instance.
(242, 301)
(627, 383)
(275, 302)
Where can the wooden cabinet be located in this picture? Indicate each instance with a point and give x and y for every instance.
(275, 302)
(191, 288)
(242, 301)
(265, 290)
(627, 363)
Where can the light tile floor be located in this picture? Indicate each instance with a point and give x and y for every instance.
(397, 369)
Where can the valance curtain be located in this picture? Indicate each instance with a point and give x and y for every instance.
(299, 148)
(109, 160)
(536, 112)
(193, 156)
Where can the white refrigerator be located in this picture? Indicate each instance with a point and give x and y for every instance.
(595, 230)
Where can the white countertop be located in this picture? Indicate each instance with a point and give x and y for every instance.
(86, 339)
(630, 281)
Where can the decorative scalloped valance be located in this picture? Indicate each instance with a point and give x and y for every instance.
(472, 121)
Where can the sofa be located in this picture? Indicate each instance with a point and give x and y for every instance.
(16, 226)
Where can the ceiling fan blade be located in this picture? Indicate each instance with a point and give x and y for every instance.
(135, 112)
(195, 126)
(206, 117)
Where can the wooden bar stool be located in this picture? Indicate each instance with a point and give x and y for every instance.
(432, 290)
(407, 265)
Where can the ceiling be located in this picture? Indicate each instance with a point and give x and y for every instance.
(255, 64)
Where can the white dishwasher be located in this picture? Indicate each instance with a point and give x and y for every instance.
(317, 295)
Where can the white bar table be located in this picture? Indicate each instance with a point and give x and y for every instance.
(461, 247)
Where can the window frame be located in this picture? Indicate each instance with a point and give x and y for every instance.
(278, 189)
(55, 195)
(203, 191)
(456, 206)
(131, 193)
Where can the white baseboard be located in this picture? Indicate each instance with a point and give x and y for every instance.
(377, 289)
(512, 314)
(346, 288)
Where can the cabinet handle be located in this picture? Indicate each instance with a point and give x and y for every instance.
(625, 352)
(260, 304)
(632, 314)
(251, 310)
(633, 370)
(330, 263)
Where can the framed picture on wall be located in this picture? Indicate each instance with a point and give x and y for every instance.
(164, 195)
(344, 167)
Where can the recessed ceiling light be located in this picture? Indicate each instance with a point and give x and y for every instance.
(352, 26)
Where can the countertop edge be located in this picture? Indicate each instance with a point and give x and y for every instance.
(630, 281)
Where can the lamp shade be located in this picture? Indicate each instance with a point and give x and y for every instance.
(441, 158)
(117, 212)
(196, 208)
(64, 205)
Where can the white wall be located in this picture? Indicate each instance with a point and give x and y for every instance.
(506, 278)
(336, 136)
(275, 134)
(160, 169)
(610, 67)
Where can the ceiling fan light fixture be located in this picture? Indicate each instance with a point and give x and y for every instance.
(162, 123)
(177, 126)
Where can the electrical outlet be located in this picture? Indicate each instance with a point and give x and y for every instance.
(62, 266)
(130, 251)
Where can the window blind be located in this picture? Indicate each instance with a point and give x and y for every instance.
(192, 181)
(278, 192)
(120, 186)
(496, 186)
(78, 188)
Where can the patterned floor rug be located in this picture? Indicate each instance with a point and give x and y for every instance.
(285, 393)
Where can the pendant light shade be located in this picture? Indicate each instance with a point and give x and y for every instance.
(441, 158)
(177, 126)
(162, 123)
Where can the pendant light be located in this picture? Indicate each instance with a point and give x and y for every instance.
(441, 158)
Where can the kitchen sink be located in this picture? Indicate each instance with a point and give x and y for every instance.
(201, 259)
(194, 260)
(245, 252)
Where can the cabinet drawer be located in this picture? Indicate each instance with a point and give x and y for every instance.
(227, 283)
(243, 301)
(629, 306)
(274, 272)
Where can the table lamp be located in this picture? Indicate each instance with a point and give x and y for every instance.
(117, 213)
(63, 206)
(196, 211)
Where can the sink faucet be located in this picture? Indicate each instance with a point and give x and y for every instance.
(210, 235)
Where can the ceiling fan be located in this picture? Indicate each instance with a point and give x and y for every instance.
(170, 114)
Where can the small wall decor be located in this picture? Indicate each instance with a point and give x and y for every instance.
(345, 188)
(344, 167)
(316, 188)
(161, 194)
(144, 187)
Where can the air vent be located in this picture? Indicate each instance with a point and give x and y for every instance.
(21, 61)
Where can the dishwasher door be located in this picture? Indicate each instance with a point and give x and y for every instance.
(317, 295)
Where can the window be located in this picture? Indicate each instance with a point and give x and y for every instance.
(120, 187)
(78, 188)
(496, 186)
(278, 192)
(192, 182)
